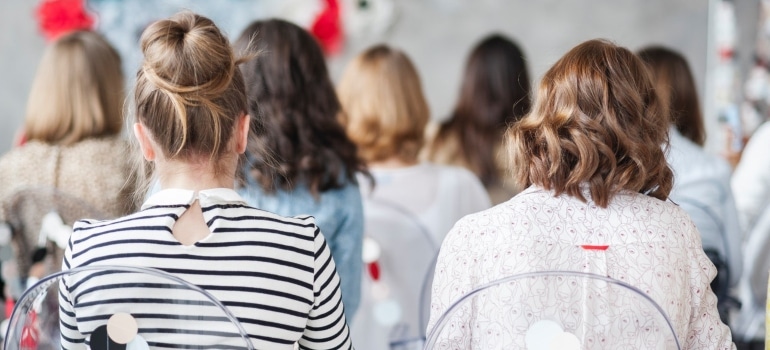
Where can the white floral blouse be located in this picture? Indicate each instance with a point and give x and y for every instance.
(651, 244)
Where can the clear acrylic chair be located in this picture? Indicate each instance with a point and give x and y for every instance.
(554, 310)
(395, 305)
(166, 311)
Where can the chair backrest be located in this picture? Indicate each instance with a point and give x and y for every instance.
(718, 252)
(24, 211)
(186, 317)
(554, 310)
(395, 305)
(750, 323)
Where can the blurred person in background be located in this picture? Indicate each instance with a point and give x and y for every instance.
(72, 149)
(299, 161)
(385, 114)
(495, 92)
(701, 180)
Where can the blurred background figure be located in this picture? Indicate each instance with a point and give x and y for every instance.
(494, 93)
(751, 186)
(72, 157)
(299, 160)
(385, 114)
(701, 180)
(590, 154)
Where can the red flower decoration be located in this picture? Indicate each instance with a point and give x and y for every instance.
(59, 17)
(327, 27)
(374, 270)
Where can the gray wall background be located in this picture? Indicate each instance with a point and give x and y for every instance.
(438, 34)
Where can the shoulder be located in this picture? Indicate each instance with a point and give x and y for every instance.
(689, 161)
(249, 213)
(453, 172)
(112, 145)
(24, 165)
(30, 151)
(762, 134)
(88, 232)
(459, 178)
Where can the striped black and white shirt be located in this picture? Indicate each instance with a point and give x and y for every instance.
(274, 273)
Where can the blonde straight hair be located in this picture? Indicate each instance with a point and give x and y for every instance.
(385, 112)
(77, 92)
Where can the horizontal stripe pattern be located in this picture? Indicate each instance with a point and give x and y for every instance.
(275, 274)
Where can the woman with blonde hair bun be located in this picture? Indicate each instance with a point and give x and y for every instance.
(591, 157)
(275, 273)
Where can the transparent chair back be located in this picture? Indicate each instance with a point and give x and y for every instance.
(394, 307)
(554, 310)
(120, 307)
(750, 325)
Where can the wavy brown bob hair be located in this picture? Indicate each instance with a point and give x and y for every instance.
(596, 123)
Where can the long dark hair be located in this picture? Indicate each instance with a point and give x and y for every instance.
(495, 92)
(674, 82)
(295, 135)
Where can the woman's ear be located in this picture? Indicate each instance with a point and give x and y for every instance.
(144, 142)
(242, 133)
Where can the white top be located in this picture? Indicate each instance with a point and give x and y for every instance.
(438, 195)
(652, 245)
(407, 214)
(274, 273)
(751, 187)
(702, 189)
(751, 179)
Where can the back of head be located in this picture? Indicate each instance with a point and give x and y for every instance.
(494, 93)
(189, 92)
(495, 87)
(596, 123)
(77, 92)
(295, 134)
(675, 85)
(385, 110)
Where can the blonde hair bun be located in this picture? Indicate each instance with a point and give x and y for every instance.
(187, 43)
(188, 92)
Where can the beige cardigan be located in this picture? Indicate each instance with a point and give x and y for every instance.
(86, 180)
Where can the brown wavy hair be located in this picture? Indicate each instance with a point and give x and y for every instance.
(596, 123)
(675, 85)
(295, 135)
(495, 92)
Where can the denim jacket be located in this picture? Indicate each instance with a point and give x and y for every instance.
(339, 214)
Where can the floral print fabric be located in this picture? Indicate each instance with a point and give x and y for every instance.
(652, 245)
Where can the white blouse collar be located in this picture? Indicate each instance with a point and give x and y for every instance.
(177, 196)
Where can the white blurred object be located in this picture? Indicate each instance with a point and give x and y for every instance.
(362, 18)
(5, 234)
(726, 32)
(54, 229)
(300, 12)
(757, 86)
